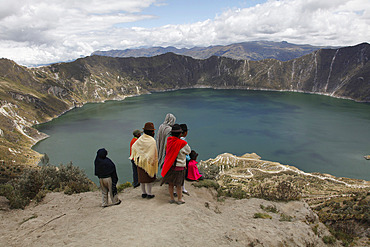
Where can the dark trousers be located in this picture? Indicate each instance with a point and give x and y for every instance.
(114, 185)
(134, 174)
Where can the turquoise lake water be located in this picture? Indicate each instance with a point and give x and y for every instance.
(314, 133)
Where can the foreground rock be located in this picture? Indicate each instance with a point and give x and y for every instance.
(343, 204)
(78, 220)
(232, 171)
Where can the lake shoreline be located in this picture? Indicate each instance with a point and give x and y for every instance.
(179, 90)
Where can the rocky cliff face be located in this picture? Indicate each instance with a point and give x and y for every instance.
(342, 72)
(33, 95)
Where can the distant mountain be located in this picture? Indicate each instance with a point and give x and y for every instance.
(33, 95)
(256, 50)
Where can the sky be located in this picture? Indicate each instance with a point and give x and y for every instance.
(37, 32)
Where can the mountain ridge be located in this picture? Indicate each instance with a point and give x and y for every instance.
(253, 50)
(34, 95)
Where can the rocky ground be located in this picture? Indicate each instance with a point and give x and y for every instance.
(245, 201)
(343, 204)
(78, 220)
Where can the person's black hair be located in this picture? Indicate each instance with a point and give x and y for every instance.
(176, 134)
(149, 132)
(193, 155)
(184, 127)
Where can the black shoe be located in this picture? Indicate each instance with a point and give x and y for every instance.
(174, 194)
(144, 195)
(136, 185)
(150, 196)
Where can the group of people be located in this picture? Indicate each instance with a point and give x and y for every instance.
(169, 152)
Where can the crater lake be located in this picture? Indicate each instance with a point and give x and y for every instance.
(314, 133)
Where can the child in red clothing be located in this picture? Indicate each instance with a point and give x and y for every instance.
(193, 172)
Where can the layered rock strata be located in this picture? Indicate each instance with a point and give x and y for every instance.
(34, 95)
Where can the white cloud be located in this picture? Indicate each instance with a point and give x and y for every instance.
(40, 31)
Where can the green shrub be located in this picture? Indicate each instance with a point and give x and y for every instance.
(282, 191)
(315, 229)
(20, 191)
(33, 183)
(284, 217)
(121, 187)
(40, 196)
(5, 189)
(209, 171)
(262, 216)
(234, 191)
(329, 239)
(207, 183)
(44, 160)
(74, 179)
(51, 177)
(68, 190)
(29, 183)
(271, 208)
(340, 231)
(238, 192)
(17, 200)
(69, 178)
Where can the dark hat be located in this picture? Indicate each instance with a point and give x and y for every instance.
(102, 153)
(184, 127)
(149, 126)
(176, 128)
(136, 132)
(193, 155)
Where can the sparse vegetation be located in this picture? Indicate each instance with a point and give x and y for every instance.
(207, 183)
(282, 191)
(34, 216)
(346, 217)
(209, 172)
(33, 183)
(329, 239)
(315, 229)
(234, 191)
(121, 187)
(284, 217)
(273, 209)
(270, 208)
(262, 216)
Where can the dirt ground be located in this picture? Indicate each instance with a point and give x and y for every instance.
(79, 220)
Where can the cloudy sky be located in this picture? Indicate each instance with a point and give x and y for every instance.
(34, 32)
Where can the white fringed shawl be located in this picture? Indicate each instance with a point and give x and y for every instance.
(145, 155)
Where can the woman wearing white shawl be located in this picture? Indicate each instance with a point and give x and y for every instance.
(164, 132)
(145, 155)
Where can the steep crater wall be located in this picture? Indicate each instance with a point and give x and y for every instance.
(33, 95)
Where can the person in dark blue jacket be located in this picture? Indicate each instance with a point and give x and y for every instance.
(105, 170)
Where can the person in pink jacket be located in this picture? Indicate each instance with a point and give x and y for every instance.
(193, 172)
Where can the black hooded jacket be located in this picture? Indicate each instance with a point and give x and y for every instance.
(104, 167)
